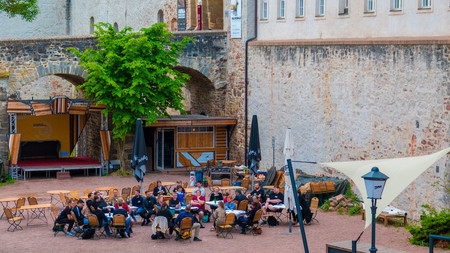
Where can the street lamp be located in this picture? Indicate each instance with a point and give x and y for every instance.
(375, 181)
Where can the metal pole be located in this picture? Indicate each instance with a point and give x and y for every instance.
(297, 205)
(273, 151)
(374, 210)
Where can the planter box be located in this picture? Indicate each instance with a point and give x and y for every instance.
(63, 175)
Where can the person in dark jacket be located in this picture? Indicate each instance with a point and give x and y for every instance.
(164, 211)
(123, 212)
(65, 217)
(195, 225)
(102, 220)
(215, 196)
(78, 211)
(247, 219)
(149, 204)
(239, 196)
(159, 189)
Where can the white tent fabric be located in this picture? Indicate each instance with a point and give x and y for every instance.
(401, 173)
(288, 151)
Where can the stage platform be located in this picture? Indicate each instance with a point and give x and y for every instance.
(61, 165)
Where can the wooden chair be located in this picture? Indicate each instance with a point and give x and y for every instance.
(75, 194)
(256, 222)
(185, 227)
(54, 212)
(119, 224)
(314, 208)
(245, 184)
(210, 183)
(243, 205)
(57, 226)
(20, 202)
(14, 222)
(225, 182)
(226, 228)
(67, 200)
(32, 201)
(126, 190)
(188, 198)
(125, 197)
(93, 223)
(86, 192)
(136, 187)
(77, 228)
(63, 200)
(185, 184)
(151, 186)
(236, 204)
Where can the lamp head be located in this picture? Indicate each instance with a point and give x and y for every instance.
(375, 182)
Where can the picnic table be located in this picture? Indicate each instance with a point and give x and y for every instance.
(5, 204)
(36, 212)
(189, 189)
(57, 199)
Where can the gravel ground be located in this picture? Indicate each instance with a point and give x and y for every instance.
(332, 227)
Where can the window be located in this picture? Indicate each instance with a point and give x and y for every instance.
(264, 9)
(160, 16)
(300, 8)
(281, 9)
(320, 8)
(91, 25)
(343, 7)
(424, 4)
(369, 6)
(396, 5)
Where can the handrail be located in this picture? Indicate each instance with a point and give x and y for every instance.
(441, 237)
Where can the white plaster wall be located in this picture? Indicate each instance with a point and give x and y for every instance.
(49, 22)
(134, 13)
(383, 23)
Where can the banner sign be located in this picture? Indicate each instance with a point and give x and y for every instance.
(181, 15)
(236, 19)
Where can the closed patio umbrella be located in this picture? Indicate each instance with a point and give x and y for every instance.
(139, 156)
(254, 151)
(289, 201)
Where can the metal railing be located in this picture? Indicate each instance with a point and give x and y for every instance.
(440, 237)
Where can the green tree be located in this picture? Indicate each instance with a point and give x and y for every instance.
(133, 74)
(27, 9)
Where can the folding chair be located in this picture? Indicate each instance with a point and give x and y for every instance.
(75, 195)
(160, 224)
(185, 228)
(185, 184)
(314, 207)
(126, 191)
(256, 223)
(151, 186)
(57, 227)
(245, 184)
(19, 204)
(78, 230)
(225, 182)
(243, 205)
(226, 228)
(210, 183)
(93, 223)
(136, 187)
(119, 224)
(188, 198)
(14, 222)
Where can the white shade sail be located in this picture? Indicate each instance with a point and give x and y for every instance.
(401, 173)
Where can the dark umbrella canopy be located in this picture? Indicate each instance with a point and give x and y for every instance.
(254, 150)
(139, 156)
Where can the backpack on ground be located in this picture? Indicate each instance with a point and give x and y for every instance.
(272, 221)
(88, 234)
(186, 235)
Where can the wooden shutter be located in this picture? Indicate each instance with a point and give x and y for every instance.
(105, 137)
(14, 144)
(221, 142)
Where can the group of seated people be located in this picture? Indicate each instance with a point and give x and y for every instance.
(152, 205)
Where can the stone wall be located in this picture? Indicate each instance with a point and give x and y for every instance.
(355, 102)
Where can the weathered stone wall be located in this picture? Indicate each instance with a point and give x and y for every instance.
(355, 102)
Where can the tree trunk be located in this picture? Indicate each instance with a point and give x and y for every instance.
(122, 158)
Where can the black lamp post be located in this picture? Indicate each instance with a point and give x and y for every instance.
(375, 181)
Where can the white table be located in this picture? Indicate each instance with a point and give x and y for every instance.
(211, 203)
(279, 206)
(238, 213)
(110, 215)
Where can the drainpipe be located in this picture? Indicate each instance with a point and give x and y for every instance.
(68, 17)
(246, 82)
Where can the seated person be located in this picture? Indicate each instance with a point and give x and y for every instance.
(149, 205)
(239, 196)
(258, 192)
(102, 220)
(219, 216)
(100, 203)
(128, 221)
(138, 201)
(199, 186)
(195, 225)
(215, 196)
(180, 183)
(160, 202)
(179, 191)
(159, 189)
(115, 197)
(66, 218)
(247, 219)
(230, 205)
(225, 198)
(257, 203)
(90, 202)
(164, 211)
(199, 201)
(275, 198)
(174, 201)
(78, 211)
(124, 206)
